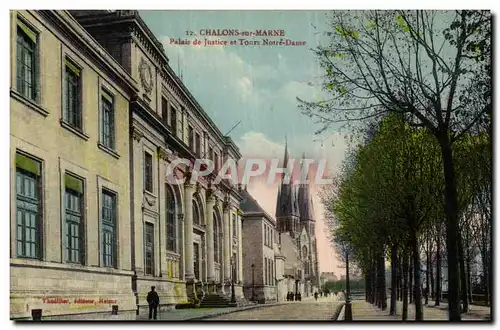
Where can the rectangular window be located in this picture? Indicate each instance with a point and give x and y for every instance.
(216, 161)
(198, 144)
(107, 120)
(108, 222)
(148, 172)
(173, 120)
(26, 61)
(72, 113)
(191, 138)
(210, 154)
(171, 228)
(149, 244)
(74, 238)
(164, 110)
(28, 207)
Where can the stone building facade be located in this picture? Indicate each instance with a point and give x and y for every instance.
(262, 263)
(140, 230)
(69, 153)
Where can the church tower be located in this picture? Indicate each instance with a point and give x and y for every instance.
(287, 208)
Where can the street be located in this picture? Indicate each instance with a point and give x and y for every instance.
(308, 310)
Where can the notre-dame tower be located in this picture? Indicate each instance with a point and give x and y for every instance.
(294, 211)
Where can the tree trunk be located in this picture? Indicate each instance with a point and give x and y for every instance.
(451, 211)
(438, 268)
(374, 281)
(427, 275)
(419, 314)
(400, 275)
(404, 315)
(367, 286)
(463, 276)
(431, 272)
(469, 279)
(394, 279)
(410, 275)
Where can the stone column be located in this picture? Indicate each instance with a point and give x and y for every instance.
(180, 246)
(227, 243)
(162, 210)
(188, 235)
(240, 248)
(210, 243)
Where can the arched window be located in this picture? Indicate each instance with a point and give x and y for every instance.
(196, 213)
(216, 238)
(304, 252)
(171, 226)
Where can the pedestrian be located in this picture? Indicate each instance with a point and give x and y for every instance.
(153, 302)
(316, 295)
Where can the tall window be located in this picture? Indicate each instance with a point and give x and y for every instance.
(198, 144)
(164, 110)
(173, 120)
(149, 244)
(196, 257)
(171, 228)
(26, 61)
(216, 161)
(28, 207)
(191, 137)
(235, 229)
(72, 113)
(210, 154)
(265, 271)
(108, 215)
(107, 120)
(148, 172)
(216, 238)
(74, 219)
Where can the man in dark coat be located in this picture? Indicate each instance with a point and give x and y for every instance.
(153, 302)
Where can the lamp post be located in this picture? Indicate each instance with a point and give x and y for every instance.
(348, 309)
(253, 282)
(233, 295)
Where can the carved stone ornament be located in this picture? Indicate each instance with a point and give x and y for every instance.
(146, 76)
(150, 200)
(162, 153)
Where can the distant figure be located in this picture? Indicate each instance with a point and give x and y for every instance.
(153, 302)
(316, 295)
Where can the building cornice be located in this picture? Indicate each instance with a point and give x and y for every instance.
(136, 28)
(64, 22)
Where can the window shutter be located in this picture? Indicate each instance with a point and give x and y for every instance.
(28, 164)
(29, 32)
(73, 183)
(73, 67)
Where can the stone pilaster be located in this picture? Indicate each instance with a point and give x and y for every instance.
(227, 242)
(188, 243)
(138, 156)
(210, 242)
(180, 246)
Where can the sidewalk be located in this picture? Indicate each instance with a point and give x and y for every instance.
(202, 313)
(364, 311)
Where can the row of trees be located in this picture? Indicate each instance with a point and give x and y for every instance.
(337, 286)
(417, 84)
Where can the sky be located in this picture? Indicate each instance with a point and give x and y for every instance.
(257, 85)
